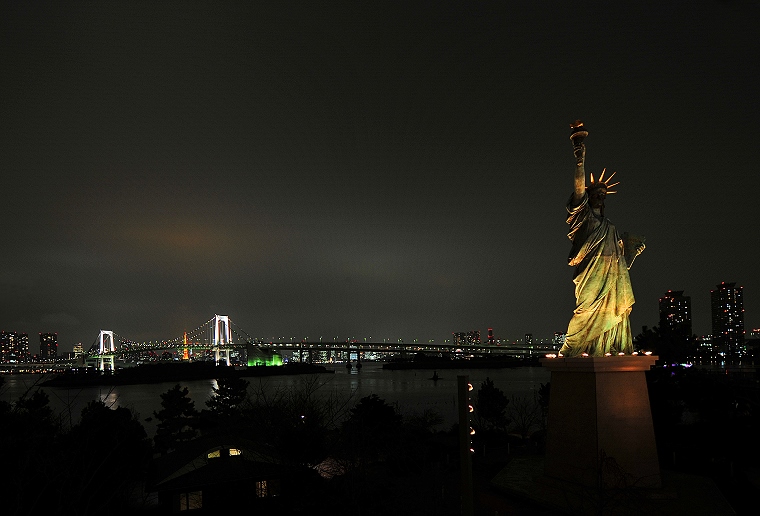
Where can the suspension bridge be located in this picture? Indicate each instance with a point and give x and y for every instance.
(215, 335)
(220, 336)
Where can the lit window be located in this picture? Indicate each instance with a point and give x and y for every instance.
(191, 500)
(214, 454)
(261, 489)
(235, 451)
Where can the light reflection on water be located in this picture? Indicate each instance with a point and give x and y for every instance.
(412, 391)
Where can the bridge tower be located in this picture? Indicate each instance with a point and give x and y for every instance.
(222, 337)
(106, 351)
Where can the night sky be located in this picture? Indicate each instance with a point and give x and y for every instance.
(376, 170)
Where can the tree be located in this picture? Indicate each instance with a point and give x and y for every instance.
(230, 395)
(178, 419)
(295, 421)
(108, 444)
(673, 346)
(525, 414)
(29, 431)
(490, 407)
(371, 430)
(424, 422)
(372, 412)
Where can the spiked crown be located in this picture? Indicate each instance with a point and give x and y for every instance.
(602, 183)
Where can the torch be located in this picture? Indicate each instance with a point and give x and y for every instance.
(577, 134)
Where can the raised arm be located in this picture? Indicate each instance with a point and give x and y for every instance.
(579, 180)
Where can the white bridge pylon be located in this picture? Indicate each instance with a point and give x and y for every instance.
(222, 336)
(106, 351)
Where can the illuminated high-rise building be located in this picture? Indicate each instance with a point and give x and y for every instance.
(491, 340)
(705, 344)
(14, 347)
(23, 348)
(466, 339)
(727, 306)
(675, 312)
(48, 346)
(8, 343)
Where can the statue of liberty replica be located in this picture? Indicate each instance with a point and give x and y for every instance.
(600, 324)
(599, 425)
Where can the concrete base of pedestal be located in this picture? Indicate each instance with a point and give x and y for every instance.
(600, 455)
(599, 427)
(523, 481)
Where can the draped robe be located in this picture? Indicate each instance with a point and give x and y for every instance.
(603, 292)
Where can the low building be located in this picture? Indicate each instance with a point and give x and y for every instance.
(216, 474)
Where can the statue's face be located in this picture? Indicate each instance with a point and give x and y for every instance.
(596, 197)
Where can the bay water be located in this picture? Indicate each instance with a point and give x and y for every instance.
(410, 391)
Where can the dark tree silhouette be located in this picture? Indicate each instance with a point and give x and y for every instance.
(673, 346)
(525, 415)
(372, 412)
(230, 396)
(371, 430)
(491, 407)
(398, 463)
(108, 445)
(295, 422)
(178, 419)
(29, 431)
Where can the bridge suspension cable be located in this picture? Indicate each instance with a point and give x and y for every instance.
(236, 328)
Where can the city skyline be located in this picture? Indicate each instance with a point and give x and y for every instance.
(356, 170)
(454, 337)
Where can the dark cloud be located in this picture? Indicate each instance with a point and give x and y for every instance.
(357, 169)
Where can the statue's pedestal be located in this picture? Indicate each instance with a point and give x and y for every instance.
(599, 428)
